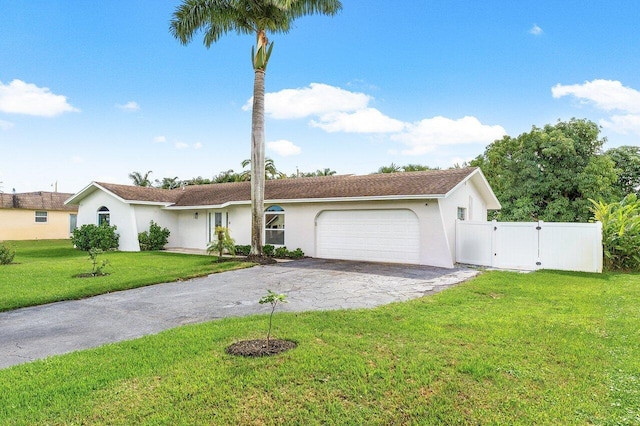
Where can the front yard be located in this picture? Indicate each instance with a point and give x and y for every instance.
(504, 348)
(43, 272)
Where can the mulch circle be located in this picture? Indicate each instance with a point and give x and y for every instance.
(258, 347)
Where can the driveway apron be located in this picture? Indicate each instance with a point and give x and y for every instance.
(310, 284)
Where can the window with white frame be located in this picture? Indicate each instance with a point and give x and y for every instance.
(104, 216)
(274, 225)
(41, 217)
(462, 213)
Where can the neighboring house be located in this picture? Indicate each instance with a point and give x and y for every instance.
(397, 217)
(36, 216)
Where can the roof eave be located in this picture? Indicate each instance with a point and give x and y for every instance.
(311, 200)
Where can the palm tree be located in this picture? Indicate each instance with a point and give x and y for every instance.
(218, 17)
(140, 180)
(392, 168)
(270, 170)
(168, 183)
(325, 172)
(227, 176)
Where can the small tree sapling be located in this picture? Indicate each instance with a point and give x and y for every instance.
(273, 299)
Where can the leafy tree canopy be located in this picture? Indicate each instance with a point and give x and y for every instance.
(550, 173)
(627, 161)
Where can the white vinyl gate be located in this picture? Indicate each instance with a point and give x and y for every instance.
(530, 245)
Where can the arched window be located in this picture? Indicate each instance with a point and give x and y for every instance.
(274, 225)
(104, 217)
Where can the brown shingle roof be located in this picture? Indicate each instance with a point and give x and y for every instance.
(141, 193)
(50, 201)
(428, 183)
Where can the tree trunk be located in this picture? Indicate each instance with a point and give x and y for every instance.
(257, 164)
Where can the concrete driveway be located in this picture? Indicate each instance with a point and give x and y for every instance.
(311, 284)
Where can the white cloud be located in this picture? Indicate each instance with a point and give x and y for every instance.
(333, 109)
(317, 99)
(284, 147)
(607, 95)
(197, 145)
(5, 125)
(160, 139)
(624, 124)
(426, 135)
(131, 106)
(536, 30)
(367, 120)
(19, 97)
(181, 145)
(77, 159)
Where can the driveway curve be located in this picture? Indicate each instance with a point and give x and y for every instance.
(38, 332)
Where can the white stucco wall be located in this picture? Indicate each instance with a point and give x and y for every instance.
(468, 197)
(240, 223)
(164, 218)
(122, 215)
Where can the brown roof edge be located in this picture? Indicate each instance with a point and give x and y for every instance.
(403, 184)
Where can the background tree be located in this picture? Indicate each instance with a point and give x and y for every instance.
(627, 161)
(550, 173)
(415, 168)
(270, 170)
(325, 172)
(168, 183)
(140, 179)
(227, 176)
(391, 168)
(197, 181)
(216, 18)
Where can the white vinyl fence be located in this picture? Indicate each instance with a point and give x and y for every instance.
(530, 245)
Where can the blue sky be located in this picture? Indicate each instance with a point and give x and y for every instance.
(91, 91)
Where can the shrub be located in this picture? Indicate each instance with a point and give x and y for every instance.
(103, 237)
(620, 232)
(6, 255)
(154, 239)
(243, 250)
(268, 250)
(296, 254)
(281, 252)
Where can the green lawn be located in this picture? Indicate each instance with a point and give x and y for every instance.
(505, 348)
(43, 272)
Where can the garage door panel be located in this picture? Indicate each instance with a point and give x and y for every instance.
(370, 235)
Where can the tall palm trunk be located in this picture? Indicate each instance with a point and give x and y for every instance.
(257, 163)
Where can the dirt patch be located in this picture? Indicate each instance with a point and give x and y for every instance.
(258, 347)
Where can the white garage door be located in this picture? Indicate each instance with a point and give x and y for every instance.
(370, 235)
